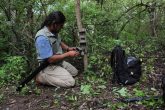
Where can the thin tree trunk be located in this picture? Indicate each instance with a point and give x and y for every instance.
(152, 17)
(30, 18)
(81, 31)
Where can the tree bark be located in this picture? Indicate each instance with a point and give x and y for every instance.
(152, 17)
(80, 29)
(30, 18)
(78, 14)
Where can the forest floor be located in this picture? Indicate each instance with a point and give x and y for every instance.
(90, 93)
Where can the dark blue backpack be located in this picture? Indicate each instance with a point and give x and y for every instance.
(126, 69)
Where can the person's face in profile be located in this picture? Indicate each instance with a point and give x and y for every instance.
(57, 27)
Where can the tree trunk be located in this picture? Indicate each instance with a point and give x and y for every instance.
(30, 18)
(152, 17)
(81, 33)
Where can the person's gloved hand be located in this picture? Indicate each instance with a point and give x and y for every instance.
(72, 53)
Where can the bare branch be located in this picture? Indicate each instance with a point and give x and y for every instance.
(124, 25)
(138, 5)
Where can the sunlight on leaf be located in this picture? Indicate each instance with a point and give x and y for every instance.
(123, 92)
(86, 89)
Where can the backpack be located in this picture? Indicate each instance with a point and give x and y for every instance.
(126, 69)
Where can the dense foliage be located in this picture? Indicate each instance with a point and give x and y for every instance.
(137, 25)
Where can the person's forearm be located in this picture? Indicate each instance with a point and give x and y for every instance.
(56, 58)
(64, 46)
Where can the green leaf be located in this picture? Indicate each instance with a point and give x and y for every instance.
(86, 89)
(138, 92)
(123, 92)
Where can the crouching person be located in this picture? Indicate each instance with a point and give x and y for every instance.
(49, 46)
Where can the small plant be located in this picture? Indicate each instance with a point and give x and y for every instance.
(122, 92)
(72, 98)
(86, 89)
(99, 64)
(37, 91)
(25, 90)
(153, 104)
(138, 93)
(116, 106)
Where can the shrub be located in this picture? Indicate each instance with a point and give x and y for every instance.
(13, 70)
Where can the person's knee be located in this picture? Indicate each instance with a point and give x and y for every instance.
(70, 82)
(70, 68)
(74, 72)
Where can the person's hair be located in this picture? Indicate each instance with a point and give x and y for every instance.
(55, 17)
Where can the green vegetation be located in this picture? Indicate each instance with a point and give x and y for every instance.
(13, 70)
(137, 25)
